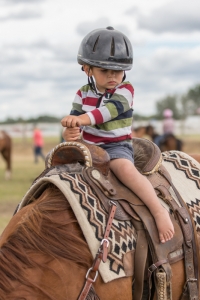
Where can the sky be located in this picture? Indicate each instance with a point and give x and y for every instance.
(39, 41)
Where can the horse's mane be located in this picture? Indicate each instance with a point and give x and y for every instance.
(48, 227)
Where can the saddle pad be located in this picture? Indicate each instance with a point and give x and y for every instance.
(185, 174)
(92, 220)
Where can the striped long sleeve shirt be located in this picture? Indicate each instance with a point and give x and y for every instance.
(111, 119)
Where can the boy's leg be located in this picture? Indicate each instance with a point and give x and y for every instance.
(139, 184)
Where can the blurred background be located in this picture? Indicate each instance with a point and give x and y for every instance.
(39, 73)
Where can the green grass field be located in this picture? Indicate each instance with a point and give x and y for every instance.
(25, 171)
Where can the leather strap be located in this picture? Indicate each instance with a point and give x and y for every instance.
(105, 242)
(155, 265)
(151, 269)
(185, 294)
(190, 244)
(141, 252)
(86, 289)
(100, 256)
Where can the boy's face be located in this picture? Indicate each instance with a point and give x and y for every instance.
(105, 79)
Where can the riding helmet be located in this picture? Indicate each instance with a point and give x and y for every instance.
(167, 113)
(106, 48)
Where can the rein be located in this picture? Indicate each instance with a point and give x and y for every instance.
(100, 256)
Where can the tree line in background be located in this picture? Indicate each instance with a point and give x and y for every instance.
(182, 106)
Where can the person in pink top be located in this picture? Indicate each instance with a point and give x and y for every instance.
(168, 122)
(38, 144)
(168, 127)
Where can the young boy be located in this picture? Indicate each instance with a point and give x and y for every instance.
(103, 109)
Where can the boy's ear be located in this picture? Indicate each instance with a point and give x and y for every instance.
(87, 70)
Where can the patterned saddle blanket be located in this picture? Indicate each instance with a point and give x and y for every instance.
(91, 215)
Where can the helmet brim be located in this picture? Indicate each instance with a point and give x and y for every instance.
(105, 65)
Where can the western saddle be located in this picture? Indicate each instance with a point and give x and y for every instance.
(148, 160)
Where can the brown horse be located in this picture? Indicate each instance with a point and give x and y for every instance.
(5, 150)
(196, 156)
(165, 142)
(44, 255)
(139, 132)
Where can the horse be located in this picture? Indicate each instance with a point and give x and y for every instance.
(139, 132)
(196, 156)
(44, 253)
(166, 142)
(5, 150)
(49, 254)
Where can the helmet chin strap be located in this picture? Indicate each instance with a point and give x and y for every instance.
(93, 87)
(124, 77)
(92, 84)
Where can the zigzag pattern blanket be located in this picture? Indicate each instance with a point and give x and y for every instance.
(185, 173)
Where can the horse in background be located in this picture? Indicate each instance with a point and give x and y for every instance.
(166, 142)
(6, 150)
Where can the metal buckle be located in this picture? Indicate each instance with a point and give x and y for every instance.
(152, 268)
(185, 285)
(105, 240)
(88, 272)
(112, 203)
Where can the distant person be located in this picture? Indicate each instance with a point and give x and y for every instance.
(168, 126)
(38, 144)
(102, 109)
(168, 121)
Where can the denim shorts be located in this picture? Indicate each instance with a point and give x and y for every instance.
(119, 150)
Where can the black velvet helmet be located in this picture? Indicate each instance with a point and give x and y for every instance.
(106, 48)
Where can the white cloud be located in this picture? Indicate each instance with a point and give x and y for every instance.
(16, 2)
(175, 16)
(39, 72)
(21, 15)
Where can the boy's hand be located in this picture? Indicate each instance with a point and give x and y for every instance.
(75, 121)
(71, 134)
(71, 121)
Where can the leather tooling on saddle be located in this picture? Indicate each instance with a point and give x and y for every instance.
(95, 171)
